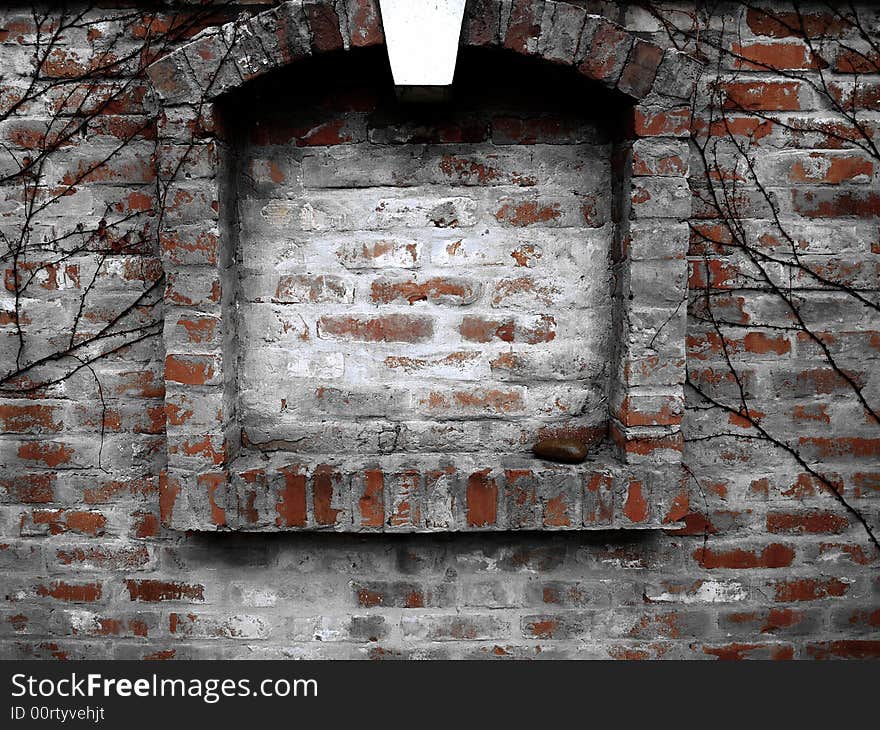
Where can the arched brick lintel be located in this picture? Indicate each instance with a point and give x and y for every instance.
(229, 56)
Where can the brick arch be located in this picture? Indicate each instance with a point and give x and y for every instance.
(229, 56)
(202, 488)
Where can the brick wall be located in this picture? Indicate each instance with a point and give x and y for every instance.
(423, 271)
(768, 562)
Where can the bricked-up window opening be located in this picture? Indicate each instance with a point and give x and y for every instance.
(385, 305)
(423, 281)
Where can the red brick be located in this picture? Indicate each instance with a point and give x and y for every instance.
(599, 499)
(110, 558)
(30, 488)
(535, 130)
(169, 489)
(144, 524)
(853, 61)
(607, 53)
(152, 591)
(50, 454)
(817, 522)
(866, 483)
(482, 499)
(740, 651)
(480, 400)
(521, 497)
(198, 330)
(808, 589)
(181, 248)
(850, 446)
(662, 122)
(836, 204)
(831, 169)
(387, 328)
(72, 592)
(634, 412)
(78, 521)
(371, 503)
(772, 556)
(845, 649)
(405, 508)
(212, 483)
(365, 27)
(762, 95)
(773, 56)
(636, 506)
(789, 24)
(559, 511)
(437, 291)
(323, 25)
(761, 344)
(291, 505)
(475, 328)
(32, 418)
(528, 213)
(646, 445)
(524, 28)
(640, 69)
(188, 371)
(325, 480)
(141, 383)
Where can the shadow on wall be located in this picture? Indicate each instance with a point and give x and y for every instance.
(593, 554)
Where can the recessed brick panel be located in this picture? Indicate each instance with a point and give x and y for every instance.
(421, 293)
(404, 269)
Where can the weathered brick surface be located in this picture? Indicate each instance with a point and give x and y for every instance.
(461, 263)
(514, 181)
(375, 309)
